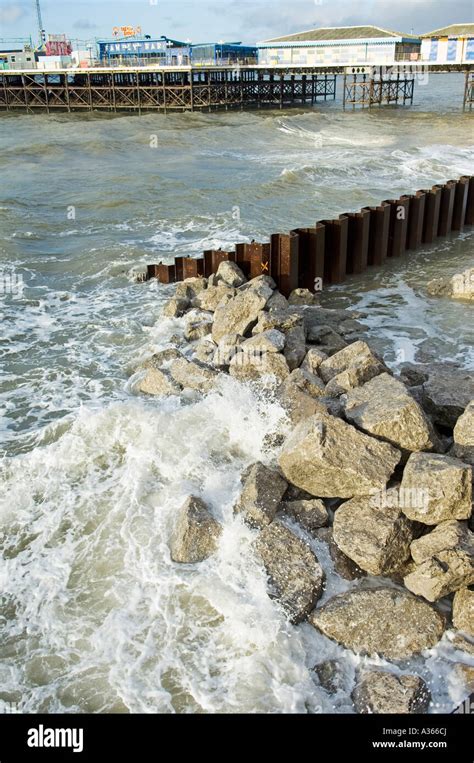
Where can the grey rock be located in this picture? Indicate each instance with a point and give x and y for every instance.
(195, 534)
(262, 491)
(327, 338)
(230, 274)
(295, 346)
(444, 483)
(329, 458)
(446, 393)
(463, 611)
(383, 408)
(271, 340)
(376, 537)
(380, 692)
(277, 302)
(310, 514)
(302, 297)
(330, 675)
(385, 621)
(295, 575)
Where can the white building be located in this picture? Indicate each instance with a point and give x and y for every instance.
(453, 44)
(335, 46)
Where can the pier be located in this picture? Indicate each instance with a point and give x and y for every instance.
(188, 88)
(329, 250)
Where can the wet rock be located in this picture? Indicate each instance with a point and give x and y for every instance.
(380, 692)
(298, 404)
(277, 302)
(240, 314)
(295, 575)
(445, 484)
(198, 325)
(464, 675)
(413, 374)
(309, 514)
(327, 338)
(302, 297)
(313, 360)
(463, 611)
(464, 644)
(247, 366)
(376, 537)
(262, 491)
(195, 534)
(295, 347)
(192, 375)
(459, 286)
(271, 340)
(463, 447)
(329, 458)
(205, 350)
(344, 566)
(308, 382)
(446, 394)
(445, 561)
(210, 298)
(330, 675)
(354, 355)
(230, 274)
(175, 307)
(190, 288)
(227, 348)
(282, 320)
(158, 382)
(162, 358)
(383, 408)
(385, 621)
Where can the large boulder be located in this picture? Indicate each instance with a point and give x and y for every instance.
(298, 404)
(345, 567)
(280, 319)
(190, 288)
(192, 375)
(271, 340)
(240, 314)
(463, 611)
(230, 274)
(385, 621)
(175, 307)
(311, 514)
(463, 447)
(195, 534)
(198, 324)
(376, 537)
(327, 338)
(446, 394)
(329, 458)
(445, 561)
(380, 692)
(262, 491)
(295, 346)
(209, 299)
(295, 575)
(382, 407)
(445, 484)
(252, 366)
(308, 382)
(157, 381)
(459, 286)
(313, 360)
(356, 355)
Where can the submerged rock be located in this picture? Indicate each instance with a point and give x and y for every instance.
(382, 407)
(330, 674)
(329, 458)
(385, 621)
(380, 692)
(377, 538)
(463, 611)
(195, 534)
(262, 491)
(446, 486)
(309, 514)
(295, 575)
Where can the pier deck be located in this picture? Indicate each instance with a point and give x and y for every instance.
(153, 88)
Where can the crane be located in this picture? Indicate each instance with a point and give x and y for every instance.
(41, 32)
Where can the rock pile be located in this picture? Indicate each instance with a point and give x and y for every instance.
(378, 467)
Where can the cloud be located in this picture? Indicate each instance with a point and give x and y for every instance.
(84, 24)
(11, 13)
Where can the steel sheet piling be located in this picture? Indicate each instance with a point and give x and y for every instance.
(431, 221)
(447, 207)
(397, 239)
(470, 200)
(193, 267)
(416, 218)
(379, 229)
(284, 259)
(335, 254)
(311, 255)
(358, 233)
(460, 203)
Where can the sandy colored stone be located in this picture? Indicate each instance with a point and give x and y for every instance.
(271, 340)
(175, 307)
(463, 611)
(240, 314)
(344, 566)
(158, 382)
(385, 621)
(355, 354)
(295, 575)
(210, 298)
(230, 274)
(253, 366)
(263, 488)
(195, 534)
(446, 484)
(308, 382)
(463, 434)
(383, 408)
(192, 375)
(310, 514)
(329, 458)
(302, 297)
(380, 692)
(313, 360)
(227, 347)
(376, 538)
(298, 404)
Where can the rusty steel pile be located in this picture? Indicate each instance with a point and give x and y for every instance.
(349, 244)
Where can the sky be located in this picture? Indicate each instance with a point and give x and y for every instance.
(231, 20)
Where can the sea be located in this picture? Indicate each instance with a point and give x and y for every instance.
(94, 615)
